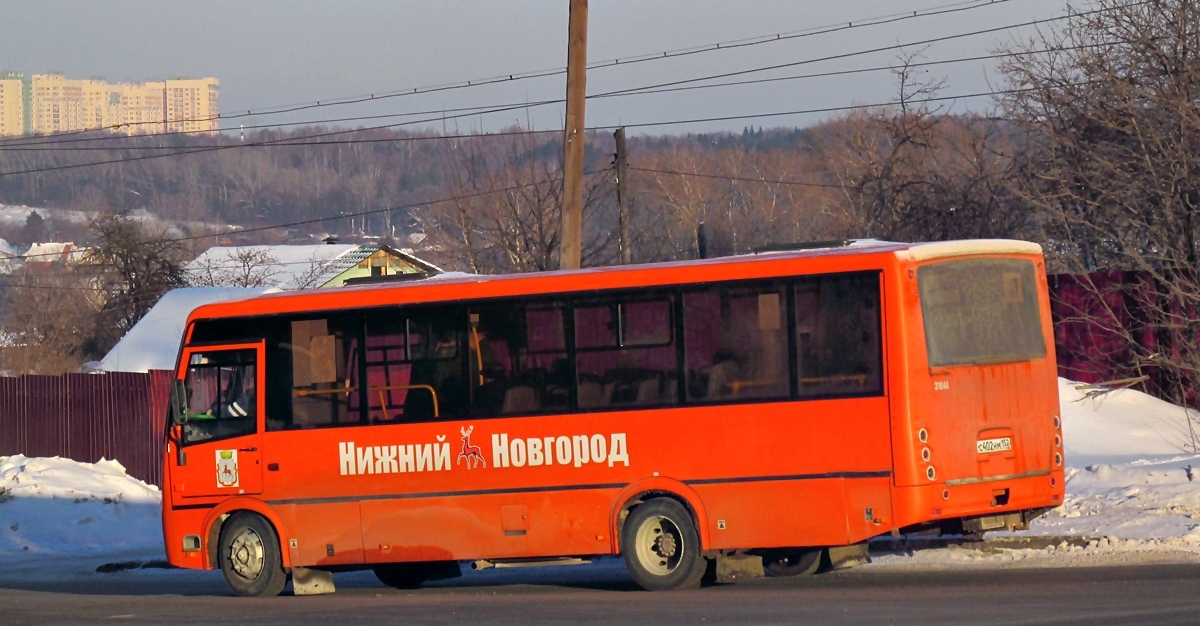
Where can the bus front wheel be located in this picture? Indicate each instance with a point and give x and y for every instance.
(661, 546)
(248, 552)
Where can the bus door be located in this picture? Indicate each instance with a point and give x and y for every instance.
(220, 434)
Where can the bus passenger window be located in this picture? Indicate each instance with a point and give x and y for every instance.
(625, 354)
(838, 332)
(518, 360)
(414, 366)
(323, 355)
(735, 343)
(222, 395)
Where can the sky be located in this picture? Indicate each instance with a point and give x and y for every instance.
(271, 53)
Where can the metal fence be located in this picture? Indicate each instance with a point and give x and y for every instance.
(86, 417)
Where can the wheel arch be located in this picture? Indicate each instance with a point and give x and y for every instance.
(216, 519)
(657, 487)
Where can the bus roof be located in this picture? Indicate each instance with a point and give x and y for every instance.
(449, 287)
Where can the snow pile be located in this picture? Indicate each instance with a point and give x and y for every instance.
(1121, 426)
(1127, 457)
(60, 507)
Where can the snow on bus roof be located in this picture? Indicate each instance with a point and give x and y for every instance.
(939, 249)
(904, 251)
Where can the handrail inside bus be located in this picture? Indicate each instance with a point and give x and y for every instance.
(383, 401)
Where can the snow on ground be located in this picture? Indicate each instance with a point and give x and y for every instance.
(1128, 500)
(1128, 493)
(54, 509)
(1127, 456)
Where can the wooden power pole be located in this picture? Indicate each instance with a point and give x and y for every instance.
(572, 203)
(622, 162)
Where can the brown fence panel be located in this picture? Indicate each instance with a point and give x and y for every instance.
(44, 421)
(12, 416)
(86, 417)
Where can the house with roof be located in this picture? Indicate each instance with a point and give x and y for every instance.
(42, 256)
(301, 267)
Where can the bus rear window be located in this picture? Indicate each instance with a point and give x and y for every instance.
(981, 311)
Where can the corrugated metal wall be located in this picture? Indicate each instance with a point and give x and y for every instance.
(86, 417)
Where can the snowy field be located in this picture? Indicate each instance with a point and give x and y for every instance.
(1128, 500)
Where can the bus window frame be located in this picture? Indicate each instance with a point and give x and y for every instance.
(260, 374)
(569, 301)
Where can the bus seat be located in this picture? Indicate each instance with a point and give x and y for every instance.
(647, 391)
(720, 375)
(519, 399)
(589, 394)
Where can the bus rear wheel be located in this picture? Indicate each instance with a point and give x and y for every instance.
(661, 546)
(792, 562)
(248, 552)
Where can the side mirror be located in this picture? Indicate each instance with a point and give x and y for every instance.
(179, 401)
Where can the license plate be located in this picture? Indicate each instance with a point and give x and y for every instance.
(1000, 444)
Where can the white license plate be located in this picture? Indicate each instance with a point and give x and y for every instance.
(1000, 444)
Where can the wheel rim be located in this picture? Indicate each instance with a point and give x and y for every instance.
(659, 546)
(247, 555)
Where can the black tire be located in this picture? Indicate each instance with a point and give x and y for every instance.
(793, 562)
(661, 546)
(249, 556)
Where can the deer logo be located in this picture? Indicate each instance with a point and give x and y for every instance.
(227, 468)
(473, 454)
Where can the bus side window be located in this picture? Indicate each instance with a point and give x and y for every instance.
(518, 359)
(838, 331)
(322, 357)
(735, 343)
(414, 365)
(625, 353)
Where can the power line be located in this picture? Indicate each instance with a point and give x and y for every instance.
(295, 141)
(482, 109)
(655, 56)
(740, 178)
(317, 220)
(845, 55)
(659, 86)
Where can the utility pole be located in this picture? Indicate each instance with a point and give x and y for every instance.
(572, 203)
(622, 159)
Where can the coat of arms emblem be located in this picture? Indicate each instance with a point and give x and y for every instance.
(227, 468)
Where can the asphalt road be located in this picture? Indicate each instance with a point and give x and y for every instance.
(603, 594)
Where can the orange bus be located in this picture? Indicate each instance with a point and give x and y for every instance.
(768, 406)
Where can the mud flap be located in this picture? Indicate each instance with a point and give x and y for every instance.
(736, 566)
(311, 582)
(842, 557)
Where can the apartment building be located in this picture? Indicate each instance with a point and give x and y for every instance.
(53, 103)
(12, 103)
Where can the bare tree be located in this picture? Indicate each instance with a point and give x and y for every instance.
(1111, 170)
(910, 172)
(505, 213)
(237, 267)
(133, 268)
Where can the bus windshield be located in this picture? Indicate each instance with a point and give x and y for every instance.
(981, 311)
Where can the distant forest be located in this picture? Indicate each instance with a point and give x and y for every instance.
(752, 189)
